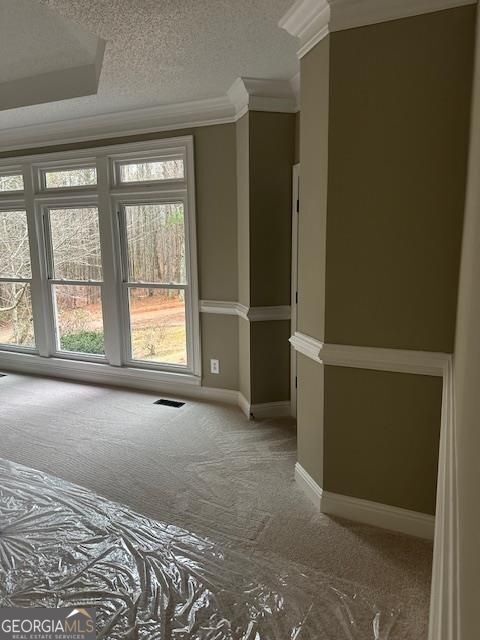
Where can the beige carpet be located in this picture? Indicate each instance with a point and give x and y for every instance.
(206, 468)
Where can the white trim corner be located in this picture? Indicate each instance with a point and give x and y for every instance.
(307, 20)
(306, 345)
(253, 314)
(308, 485)
(413, 523)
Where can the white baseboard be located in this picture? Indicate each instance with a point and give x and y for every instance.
(373, 513)
(174, 385)
(244, 404)
(385, 516)
(271, 410)
(170, 384)
(308, 485)
(265, 410)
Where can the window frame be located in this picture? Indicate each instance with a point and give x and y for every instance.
(106, 196)
(72, 202)
(162, 197)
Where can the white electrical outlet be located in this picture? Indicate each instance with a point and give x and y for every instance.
(214, 366)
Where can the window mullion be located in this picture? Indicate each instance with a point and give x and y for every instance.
(40, 290)
(112, 307)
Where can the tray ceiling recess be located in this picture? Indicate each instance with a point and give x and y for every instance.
(44, 57)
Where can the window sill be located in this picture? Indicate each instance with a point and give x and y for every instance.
(97, 372)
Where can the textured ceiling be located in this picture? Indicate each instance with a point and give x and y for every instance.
(167, 51)
(35, 40)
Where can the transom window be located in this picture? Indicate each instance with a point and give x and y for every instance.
(68, 178)
(113, 260)
(11, 181)
(150, 170)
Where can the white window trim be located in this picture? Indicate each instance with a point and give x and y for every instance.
(107, 194)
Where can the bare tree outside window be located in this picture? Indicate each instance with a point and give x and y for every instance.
(70, 178)
(151, 170)
(16, 322)
(155, 235)
(11, 182)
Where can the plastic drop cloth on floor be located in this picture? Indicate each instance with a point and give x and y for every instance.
(61, 545)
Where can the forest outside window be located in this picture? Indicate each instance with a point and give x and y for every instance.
(75, 276)
(156, 283)
(11, 181)
(16, 320)
(112, 266)
(68, 178)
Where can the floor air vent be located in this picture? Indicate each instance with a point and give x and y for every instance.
(169, 403)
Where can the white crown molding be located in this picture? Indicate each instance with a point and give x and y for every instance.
(261, 94)
(253, 314)
(197, 113)
(313, 20)
(426, 363)
(245, 94)
(307, 20)
(365, 511)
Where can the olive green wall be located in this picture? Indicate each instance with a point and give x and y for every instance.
(243, 207)
(314, 99)
(265, 144)
(398, 138)
(220, 341)
(310, 417)
(382, 434)
(270, 353)
(314, 91)
(384, 142)
(272, 146)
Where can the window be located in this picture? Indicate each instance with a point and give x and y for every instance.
(156, 281)
(75, 277)
(69, 178)
(150, 170)
(112, 268)
(16, 320)
(11, 182)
